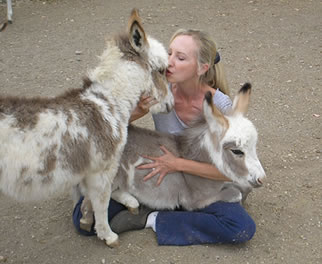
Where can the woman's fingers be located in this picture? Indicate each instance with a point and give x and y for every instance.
(149, 158)
(146, 102)
(162, 175)
(146, 166)
(153, 102)
(159, 165)
(163, 148)
(151, 174)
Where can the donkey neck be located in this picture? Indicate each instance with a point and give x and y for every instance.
(112, 100)
(197, 192)
(122, 80)
(189, 142)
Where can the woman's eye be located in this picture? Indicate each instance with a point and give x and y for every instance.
(237, 152)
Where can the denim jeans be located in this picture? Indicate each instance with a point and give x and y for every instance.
(220, 222)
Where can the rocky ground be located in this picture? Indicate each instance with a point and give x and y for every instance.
(275, 45)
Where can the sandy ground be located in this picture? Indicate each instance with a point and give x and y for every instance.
(276, 45)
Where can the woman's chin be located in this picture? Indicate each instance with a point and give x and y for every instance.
(170, 78)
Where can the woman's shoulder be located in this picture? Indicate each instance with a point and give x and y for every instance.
(222, 101)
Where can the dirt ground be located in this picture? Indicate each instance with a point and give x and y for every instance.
(275, 45)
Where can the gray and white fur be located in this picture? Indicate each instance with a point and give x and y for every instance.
(228, 142)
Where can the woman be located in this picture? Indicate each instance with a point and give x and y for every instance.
(194, 69)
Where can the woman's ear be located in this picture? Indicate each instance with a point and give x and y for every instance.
(203, 68)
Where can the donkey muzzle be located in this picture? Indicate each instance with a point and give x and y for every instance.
(257, 182)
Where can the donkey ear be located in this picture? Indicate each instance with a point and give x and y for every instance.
(241, 101)
(136, 32)
(215, 119)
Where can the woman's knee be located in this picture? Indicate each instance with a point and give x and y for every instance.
(245, 231)
(240, 227)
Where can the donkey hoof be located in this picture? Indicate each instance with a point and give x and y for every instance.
(85, 225)
(112, 241)
(134, 211)
(87, 219)
(112, 244)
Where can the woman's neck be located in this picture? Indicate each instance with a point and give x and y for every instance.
(191, 91)
(188, 100)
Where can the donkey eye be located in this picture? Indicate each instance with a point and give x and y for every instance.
(237, 152)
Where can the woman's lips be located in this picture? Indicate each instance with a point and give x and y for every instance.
(168, 73)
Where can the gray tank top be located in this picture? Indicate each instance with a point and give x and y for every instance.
(171, 123)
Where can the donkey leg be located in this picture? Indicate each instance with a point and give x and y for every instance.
(9, 11)
(99, 193)
(126, 199)
(230, 194)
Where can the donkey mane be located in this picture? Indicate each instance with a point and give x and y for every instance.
(192, 136)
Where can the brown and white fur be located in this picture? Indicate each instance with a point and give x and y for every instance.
(48, 145)
(228, 142)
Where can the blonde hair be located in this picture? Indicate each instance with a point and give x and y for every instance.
(215, 76)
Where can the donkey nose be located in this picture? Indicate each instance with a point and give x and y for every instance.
(259, 182)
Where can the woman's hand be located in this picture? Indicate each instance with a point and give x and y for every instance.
(168, 163)
(143, 107)
(161, 165)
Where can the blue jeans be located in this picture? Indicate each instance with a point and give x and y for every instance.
(220, 222)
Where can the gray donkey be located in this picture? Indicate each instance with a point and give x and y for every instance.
(48, 145)
(228, 142)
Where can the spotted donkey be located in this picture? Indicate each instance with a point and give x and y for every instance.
(229, 142)
(48, 145)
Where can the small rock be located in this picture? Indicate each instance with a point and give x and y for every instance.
(3, 259)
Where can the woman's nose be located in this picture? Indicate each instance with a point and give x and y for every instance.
(170, 60)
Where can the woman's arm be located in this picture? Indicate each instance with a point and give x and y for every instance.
(168, 163)
(201, 169)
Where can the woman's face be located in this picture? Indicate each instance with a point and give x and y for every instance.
(183, 64)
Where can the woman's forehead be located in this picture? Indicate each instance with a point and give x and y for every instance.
(184, 44)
